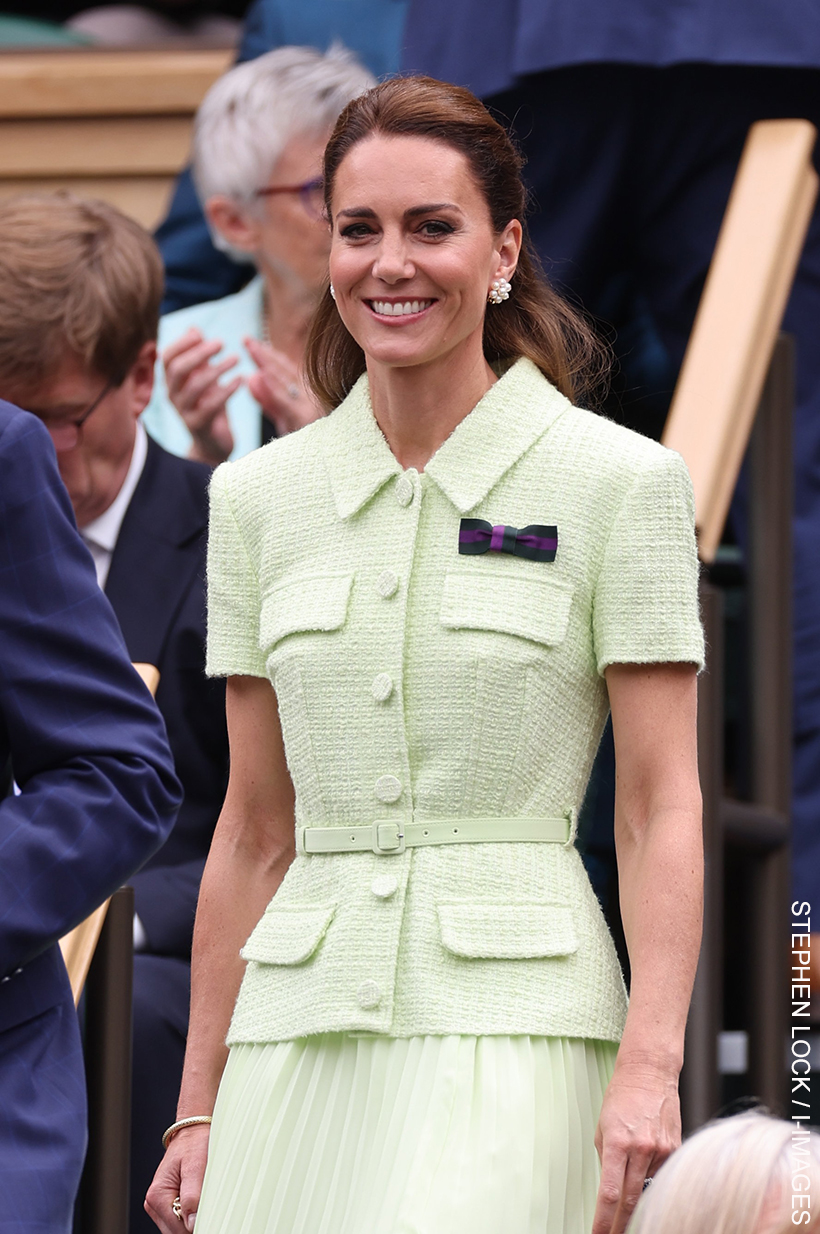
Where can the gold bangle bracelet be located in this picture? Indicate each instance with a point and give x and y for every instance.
(183, 1122)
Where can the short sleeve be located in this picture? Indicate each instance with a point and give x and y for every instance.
(233, 591)
(645, 607)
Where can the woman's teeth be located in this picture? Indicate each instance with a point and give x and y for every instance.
(385, 309)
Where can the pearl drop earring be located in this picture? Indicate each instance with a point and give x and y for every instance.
(332, 291)
(499, 291)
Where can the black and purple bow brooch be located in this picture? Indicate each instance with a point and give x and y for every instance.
(536, 543)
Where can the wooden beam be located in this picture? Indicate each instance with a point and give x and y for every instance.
(103, 146)
(113, 83)
(739, 316)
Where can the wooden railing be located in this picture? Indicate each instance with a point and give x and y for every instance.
(736, 378)
(109, 124)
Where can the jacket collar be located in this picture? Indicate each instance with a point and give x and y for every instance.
(510, 418)
(357, 456)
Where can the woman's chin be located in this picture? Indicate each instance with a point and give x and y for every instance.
(398, 356)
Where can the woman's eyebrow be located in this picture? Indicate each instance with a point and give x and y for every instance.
(358, 212)
(431, 209)
(364, 212)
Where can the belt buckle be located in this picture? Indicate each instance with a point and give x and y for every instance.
(381, 841)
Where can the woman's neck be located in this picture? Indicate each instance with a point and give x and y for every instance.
(287, 309)
(417, 408)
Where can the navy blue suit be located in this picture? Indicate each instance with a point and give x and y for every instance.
(156, 585)
(632, 118)
(97, 798)
(194, 270)
(489, 47)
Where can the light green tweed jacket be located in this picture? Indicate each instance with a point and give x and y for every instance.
(414, 683)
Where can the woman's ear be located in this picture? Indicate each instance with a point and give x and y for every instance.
(233, 222)
(509, 247)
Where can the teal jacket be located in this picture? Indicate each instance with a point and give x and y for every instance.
(415, 683)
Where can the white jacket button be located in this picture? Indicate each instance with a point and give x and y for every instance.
(387, 584)
(369, 995)
(388, 788)
(384, 886)
(404, 490)
(382, 687)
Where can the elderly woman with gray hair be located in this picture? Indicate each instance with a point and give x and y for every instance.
(751, 1174)
(258, 142)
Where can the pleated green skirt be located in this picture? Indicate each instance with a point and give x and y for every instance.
(341, 1134)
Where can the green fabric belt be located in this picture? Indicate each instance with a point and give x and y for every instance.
(386, 838)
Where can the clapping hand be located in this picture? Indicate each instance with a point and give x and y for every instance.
(279, 390)
(194, 388)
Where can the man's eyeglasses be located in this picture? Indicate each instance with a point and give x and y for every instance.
(311, 195)
(67, 433)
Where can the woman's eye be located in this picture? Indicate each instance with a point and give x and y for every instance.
(356, 231)
(435, 228)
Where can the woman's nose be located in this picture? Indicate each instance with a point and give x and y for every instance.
(392, 262)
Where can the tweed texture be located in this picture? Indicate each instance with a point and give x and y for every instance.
(413, 683)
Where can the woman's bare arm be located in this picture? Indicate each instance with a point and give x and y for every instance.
(252, 847)
(658, 836)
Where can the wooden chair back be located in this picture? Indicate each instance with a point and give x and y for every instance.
(740, 313)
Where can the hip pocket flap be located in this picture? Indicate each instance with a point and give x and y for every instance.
(507, 931)
(289, 935)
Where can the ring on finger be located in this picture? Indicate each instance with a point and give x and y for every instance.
(176, 1208)
(646, 1182)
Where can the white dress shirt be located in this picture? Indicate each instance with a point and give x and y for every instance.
(100, 535)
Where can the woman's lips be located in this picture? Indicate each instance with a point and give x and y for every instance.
(392, 309)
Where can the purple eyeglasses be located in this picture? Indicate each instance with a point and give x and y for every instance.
(311, 195)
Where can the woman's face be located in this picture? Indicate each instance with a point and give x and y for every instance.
(285, 234)
(413, 251)
(293, 234)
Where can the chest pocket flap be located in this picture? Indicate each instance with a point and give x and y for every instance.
(533, 608)
(299, 605)
(507, 931)
(289, 935)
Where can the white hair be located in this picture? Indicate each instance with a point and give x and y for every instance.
(251, 113)
(734, 1176)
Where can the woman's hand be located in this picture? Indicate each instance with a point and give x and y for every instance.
(278, 389)
(194, 389)
(638, 1129)
(180, 1173)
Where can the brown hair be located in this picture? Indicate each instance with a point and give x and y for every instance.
(535, 321)
(75, 276)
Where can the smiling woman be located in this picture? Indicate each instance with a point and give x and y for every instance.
(448, 582)
(441, 134)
